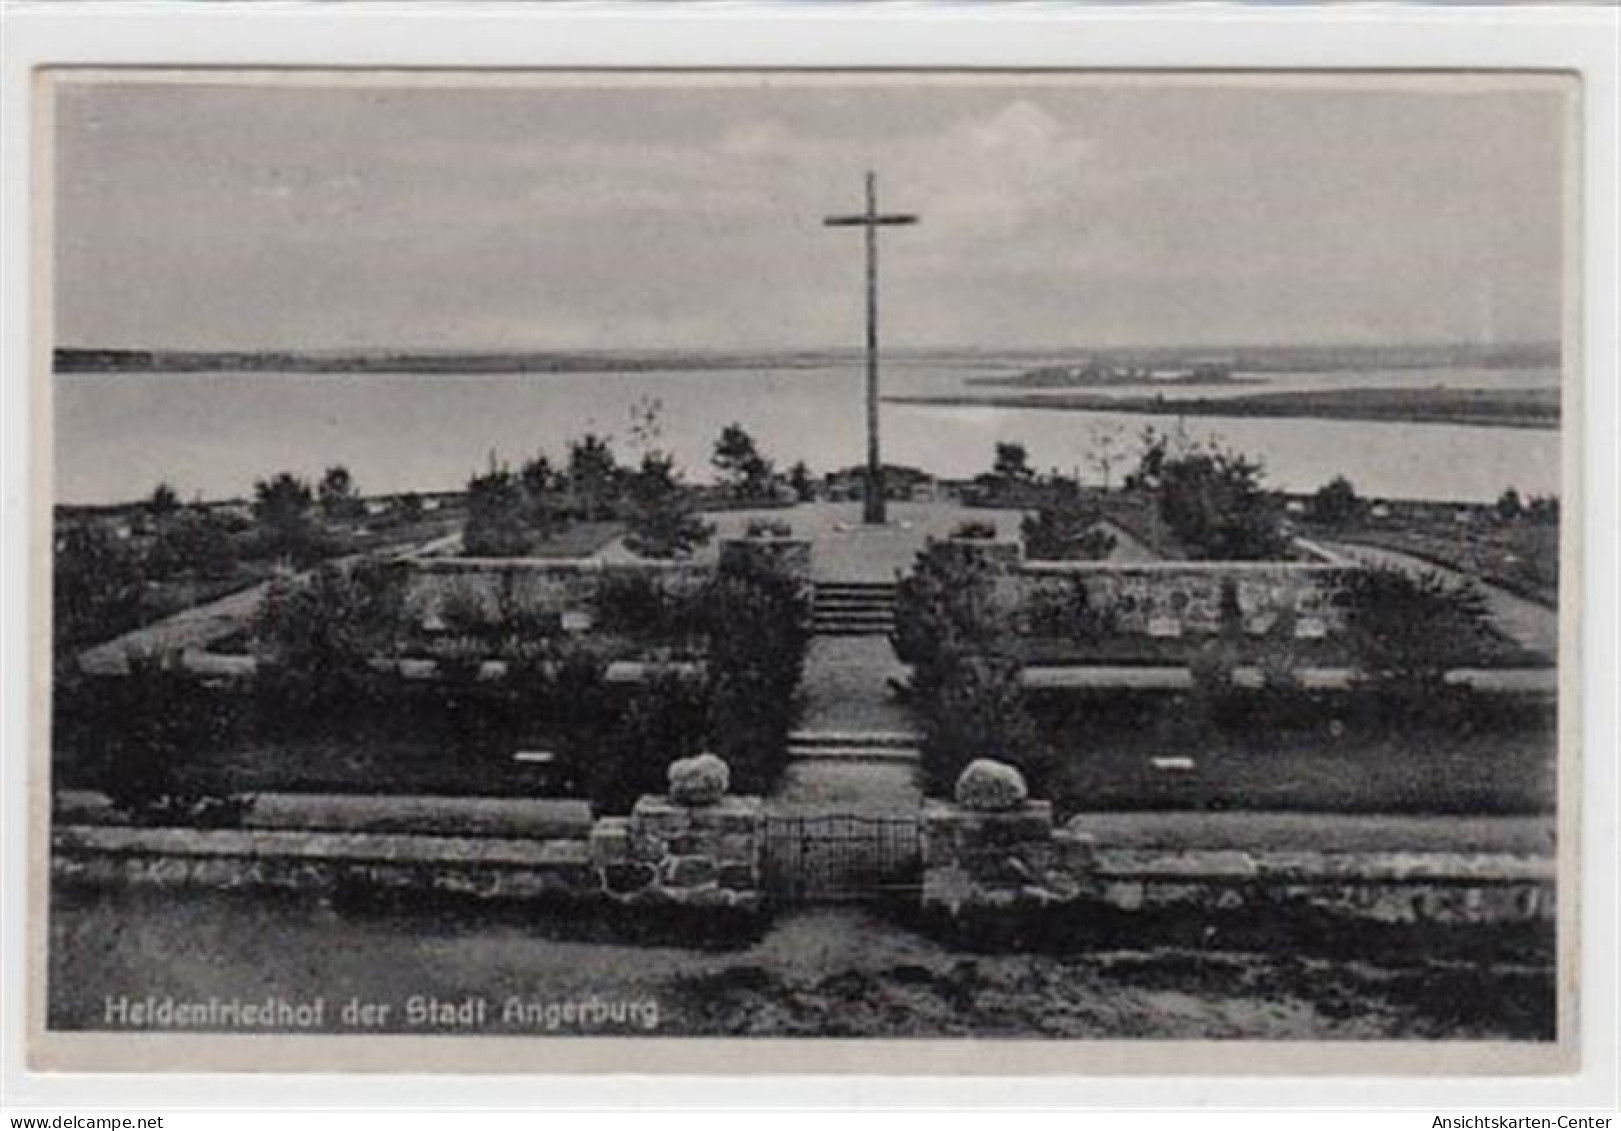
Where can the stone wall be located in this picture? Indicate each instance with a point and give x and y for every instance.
(1172, 599)
(663, 854)
(564, 587)
(568, 587)
(1163, 599)
(978, 863)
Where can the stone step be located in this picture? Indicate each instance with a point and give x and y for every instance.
(858, 616)
(853, 754)
(854, 600)
(852, 630)
(894, 738)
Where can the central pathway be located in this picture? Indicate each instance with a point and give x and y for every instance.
(856, 747)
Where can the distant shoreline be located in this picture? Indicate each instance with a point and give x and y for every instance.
(1495, 408)
(1257, 359)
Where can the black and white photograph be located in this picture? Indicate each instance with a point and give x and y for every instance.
(1017, 561)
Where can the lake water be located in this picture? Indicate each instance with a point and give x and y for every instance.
(117, 435)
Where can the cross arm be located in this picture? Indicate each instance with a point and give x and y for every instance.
(863, 220)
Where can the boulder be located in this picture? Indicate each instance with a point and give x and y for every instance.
(992, 786)
(699, 780)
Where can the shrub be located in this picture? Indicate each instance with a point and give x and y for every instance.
(193, 540)
(1408, 630)
(315, 637)
(1066, 528)
(462, 610)
(1068, 613)
(977, 708)
(1214, 503)
(145, 728)
(97, 585)
(1336, 502)
(758, 627)
(768, 528)
(965, 685)
(636, 605)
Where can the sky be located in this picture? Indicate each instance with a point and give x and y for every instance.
(604, 213)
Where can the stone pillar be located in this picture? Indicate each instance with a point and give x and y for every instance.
(688, 849)
(995, 848)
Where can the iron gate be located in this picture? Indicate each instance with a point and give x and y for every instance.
(836, 857)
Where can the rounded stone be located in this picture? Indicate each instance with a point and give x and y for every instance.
(986, 784)
(699, 780)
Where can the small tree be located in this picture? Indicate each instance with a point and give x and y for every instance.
(1214, 503)
(281, 506)
(664, 522)
(541, 489)
(1012, 463)
(496, 516)
(338, 496)
(593, 475)
(163, 503)
(1509, 505)
(1336, 502)
(1543, 509)
(1105, 451)
(738, 459)
(803, 484)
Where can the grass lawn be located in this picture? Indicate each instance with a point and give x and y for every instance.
(1327, 753)
(1521, 556)
(576, 540)
(1488, 649)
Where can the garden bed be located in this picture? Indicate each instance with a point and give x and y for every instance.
(1489, 649)
(576, 540)
(1344, 752)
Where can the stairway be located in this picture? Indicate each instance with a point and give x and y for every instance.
(853, 746)
(854, 608)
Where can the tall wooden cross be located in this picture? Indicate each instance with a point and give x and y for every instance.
(871, 219)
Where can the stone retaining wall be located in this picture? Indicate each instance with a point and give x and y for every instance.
(975, 863)
(1186, 598)
(1013, 861)
(1166, 599)
(662, 854)
(566, 587)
